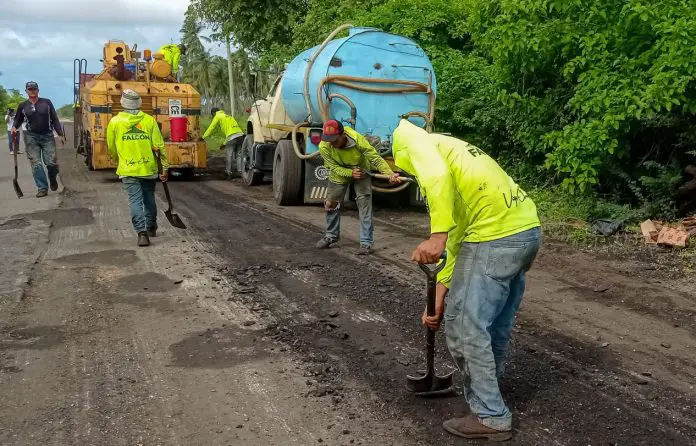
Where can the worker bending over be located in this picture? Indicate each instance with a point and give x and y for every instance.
(347, 155)
(233, 135)
(132, 139)
(491, 232)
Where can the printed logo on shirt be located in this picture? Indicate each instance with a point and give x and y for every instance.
(135, 134)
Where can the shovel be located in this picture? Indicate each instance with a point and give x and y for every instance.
(431, 384)
(173, 218)
(15, 183)
(379, 176)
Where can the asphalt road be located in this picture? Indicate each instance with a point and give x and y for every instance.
(237, 331)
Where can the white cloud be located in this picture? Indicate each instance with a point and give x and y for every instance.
(40, 38)
(155, 12)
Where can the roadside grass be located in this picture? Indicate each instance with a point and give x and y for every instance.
(567, 220)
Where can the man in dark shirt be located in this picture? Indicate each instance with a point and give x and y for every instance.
(41, 120)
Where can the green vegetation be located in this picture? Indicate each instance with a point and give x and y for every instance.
(66, 111)
(595, 100)
(209, 73)
(9, 99)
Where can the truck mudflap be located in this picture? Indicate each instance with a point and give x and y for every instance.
(316, 185)
(315, 182)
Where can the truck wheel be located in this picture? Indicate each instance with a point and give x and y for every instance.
(287, 175)
(90, 152)
(249, 177)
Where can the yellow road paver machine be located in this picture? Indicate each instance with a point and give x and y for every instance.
(176, 106)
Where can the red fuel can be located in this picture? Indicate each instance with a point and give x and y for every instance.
(178, 126)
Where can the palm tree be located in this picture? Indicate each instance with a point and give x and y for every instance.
(209, 73)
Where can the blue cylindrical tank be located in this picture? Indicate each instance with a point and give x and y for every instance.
(367, 53)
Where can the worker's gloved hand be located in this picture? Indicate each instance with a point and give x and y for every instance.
(395, 179)
(430, 251)
(358, 173)
(433, 322)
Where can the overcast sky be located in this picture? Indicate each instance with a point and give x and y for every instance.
(39, 39)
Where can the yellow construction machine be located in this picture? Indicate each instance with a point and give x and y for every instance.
(175, 106)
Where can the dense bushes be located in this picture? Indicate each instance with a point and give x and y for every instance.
(599, 93)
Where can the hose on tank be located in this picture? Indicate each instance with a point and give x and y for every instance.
(295, 146)
(353, 110)
(394, 190)
(310, 63)
(354, 83)
(428, 123)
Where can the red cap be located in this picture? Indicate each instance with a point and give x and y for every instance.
(331, 130)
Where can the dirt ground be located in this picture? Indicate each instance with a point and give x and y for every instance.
(237, 331)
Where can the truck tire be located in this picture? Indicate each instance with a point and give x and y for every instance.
(90, 151)
(249, 176)
(287, 175)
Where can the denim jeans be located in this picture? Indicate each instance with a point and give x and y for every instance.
(485, 295)
(232, 146)
(141, 198)
(9, 140)
(363, 196)
(41, 151)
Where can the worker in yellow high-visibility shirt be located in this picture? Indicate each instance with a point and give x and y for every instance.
(491, 232)
(234, 136)
(172, 54)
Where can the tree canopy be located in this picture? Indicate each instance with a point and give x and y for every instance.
(594, 95)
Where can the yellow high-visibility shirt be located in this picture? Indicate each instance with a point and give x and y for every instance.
(468, 194)
(341, 162)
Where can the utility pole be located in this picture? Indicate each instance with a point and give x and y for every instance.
(231, 76)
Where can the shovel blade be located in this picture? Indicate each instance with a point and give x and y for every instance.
(174, 219)
(18, 190)
(429, 383)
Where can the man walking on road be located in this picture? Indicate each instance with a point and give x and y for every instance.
(41, 121)
(233, 135)
(133, 138)
(347, 154)
(491, 232)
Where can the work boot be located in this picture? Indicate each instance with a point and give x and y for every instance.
(324, 243)
(41, 194)
(364, 250)
(470, 427)
(152, 232)
(54, 183)
(143, 239)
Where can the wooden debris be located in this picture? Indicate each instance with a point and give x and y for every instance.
(672, 237)
(649, 231)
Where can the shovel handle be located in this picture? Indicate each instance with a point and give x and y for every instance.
(432, 282)
(164, 184)
(379, 176)
(432, 272)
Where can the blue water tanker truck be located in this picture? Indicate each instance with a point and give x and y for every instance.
(368, 80)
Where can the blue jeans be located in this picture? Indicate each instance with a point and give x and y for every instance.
(141, 198)
(41, 151)
(9, 140)
(363, 196)
(485, 295)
